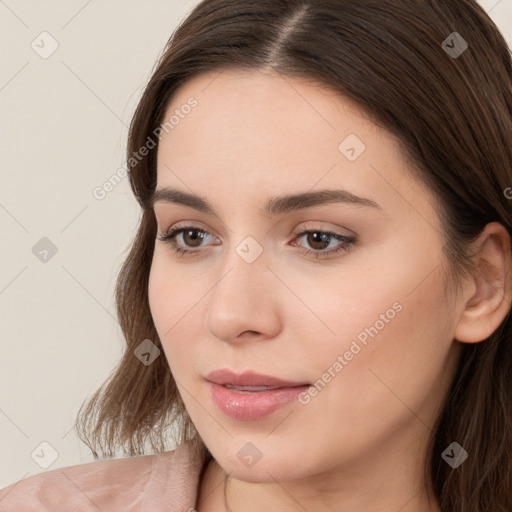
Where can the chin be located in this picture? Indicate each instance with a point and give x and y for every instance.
(266, 469)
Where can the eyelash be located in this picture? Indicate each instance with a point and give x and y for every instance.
(347, 244)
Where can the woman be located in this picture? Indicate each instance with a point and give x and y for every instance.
(317, 299)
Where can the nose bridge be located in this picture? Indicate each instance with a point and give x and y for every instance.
(244, 266)
(242, 299)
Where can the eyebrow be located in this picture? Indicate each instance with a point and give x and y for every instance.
(275, 206)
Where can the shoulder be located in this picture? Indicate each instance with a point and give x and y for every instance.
(106, 485)
(80, 487)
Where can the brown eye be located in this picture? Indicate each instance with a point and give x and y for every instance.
(191, 237)
(318, 240)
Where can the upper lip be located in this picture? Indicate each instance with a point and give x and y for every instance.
(249, 378)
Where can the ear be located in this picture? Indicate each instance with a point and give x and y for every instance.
(489, 291)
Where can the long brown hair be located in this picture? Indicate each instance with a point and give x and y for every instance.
(452, 114)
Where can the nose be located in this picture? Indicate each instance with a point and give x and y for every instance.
(244, 304)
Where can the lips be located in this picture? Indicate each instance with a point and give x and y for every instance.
(251, 396)
(250, 381)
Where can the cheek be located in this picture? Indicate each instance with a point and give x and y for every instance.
(393, 306)
(163, 302)
(169, 292)
(157, 292)
(174, 306)
(394, 352)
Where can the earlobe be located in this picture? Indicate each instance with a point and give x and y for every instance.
(491, 287)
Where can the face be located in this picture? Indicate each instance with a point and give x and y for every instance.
(346, 297)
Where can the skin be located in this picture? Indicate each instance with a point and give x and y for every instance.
(360, 443)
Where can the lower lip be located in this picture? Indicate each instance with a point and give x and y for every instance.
(253, 405)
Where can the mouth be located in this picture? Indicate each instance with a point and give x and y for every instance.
(252, 389)
(250, 396)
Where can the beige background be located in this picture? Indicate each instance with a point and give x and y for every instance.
(64, 123)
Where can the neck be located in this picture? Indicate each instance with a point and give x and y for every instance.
(289, 500)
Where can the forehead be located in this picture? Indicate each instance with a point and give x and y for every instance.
(253, 132)
(267, 103)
